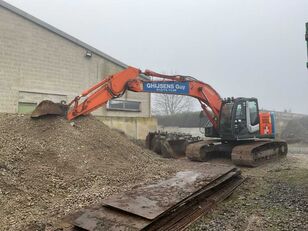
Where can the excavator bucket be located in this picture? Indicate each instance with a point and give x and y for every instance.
(169, 145)
(48, 107)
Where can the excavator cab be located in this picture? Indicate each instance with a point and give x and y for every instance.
(239, 119)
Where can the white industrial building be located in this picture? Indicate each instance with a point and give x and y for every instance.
(38, 62)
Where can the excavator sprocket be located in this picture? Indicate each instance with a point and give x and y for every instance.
(47, 107)
(258, 152)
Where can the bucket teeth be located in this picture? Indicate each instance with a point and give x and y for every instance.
(48, 107)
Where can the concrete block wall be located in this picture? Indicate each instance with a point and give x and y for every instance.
(37, 64)
(137, 127)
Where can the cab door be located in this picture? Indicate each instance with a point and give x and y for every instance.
(240, 118)
(252, 115)
(246, 118)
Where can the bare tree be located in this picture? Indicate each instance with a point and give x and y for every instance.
(168, 104)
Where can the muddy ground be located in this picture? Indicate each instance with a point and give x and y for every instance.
(274, 197)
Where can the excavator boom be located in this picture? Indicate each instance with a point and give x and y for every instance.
(98, 95)
(116, 85)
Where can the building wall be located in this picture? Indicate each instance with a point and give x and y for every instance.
(135, 127)
(37, 64)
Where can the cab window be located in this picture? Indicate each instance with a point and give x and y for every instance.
(253, 110)
(240, 111)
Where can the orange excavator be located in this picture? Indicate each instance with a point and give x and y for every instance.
(238, 128)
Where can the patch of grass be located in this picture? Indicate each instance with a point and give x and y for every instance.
(294, 177)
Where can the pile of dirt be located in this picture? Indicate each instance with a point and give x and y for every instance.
(50, 167)
(296, 130)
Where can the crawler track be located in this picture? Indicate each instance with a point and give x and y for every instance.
(242, 152)
(258, 152)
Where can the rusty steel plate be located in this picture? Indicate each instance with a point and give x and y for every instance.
(152, 200)
(203, 183)
(103, 218)
(196, 207)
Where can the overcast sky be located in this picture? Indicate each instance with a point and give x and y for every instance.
(252, 48)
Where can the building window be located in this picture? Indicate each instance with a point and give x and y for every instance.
(26, 108)
(123, 105)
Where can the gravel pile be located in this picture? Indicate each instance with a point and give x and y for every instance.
(50, 167)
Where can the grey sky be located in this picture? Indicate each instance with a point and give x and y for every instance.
(242, 48)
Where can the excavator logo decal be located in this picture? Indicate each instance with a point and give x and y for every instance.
(167, 87)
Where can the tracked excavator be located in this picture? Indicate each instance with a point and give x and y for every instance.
(237, 128)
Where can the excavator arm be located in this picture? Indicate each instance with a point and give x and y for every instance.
(98, 95)
(116, 85)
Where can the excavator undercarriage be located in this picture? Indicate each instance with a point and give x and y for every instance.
(243, 153)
